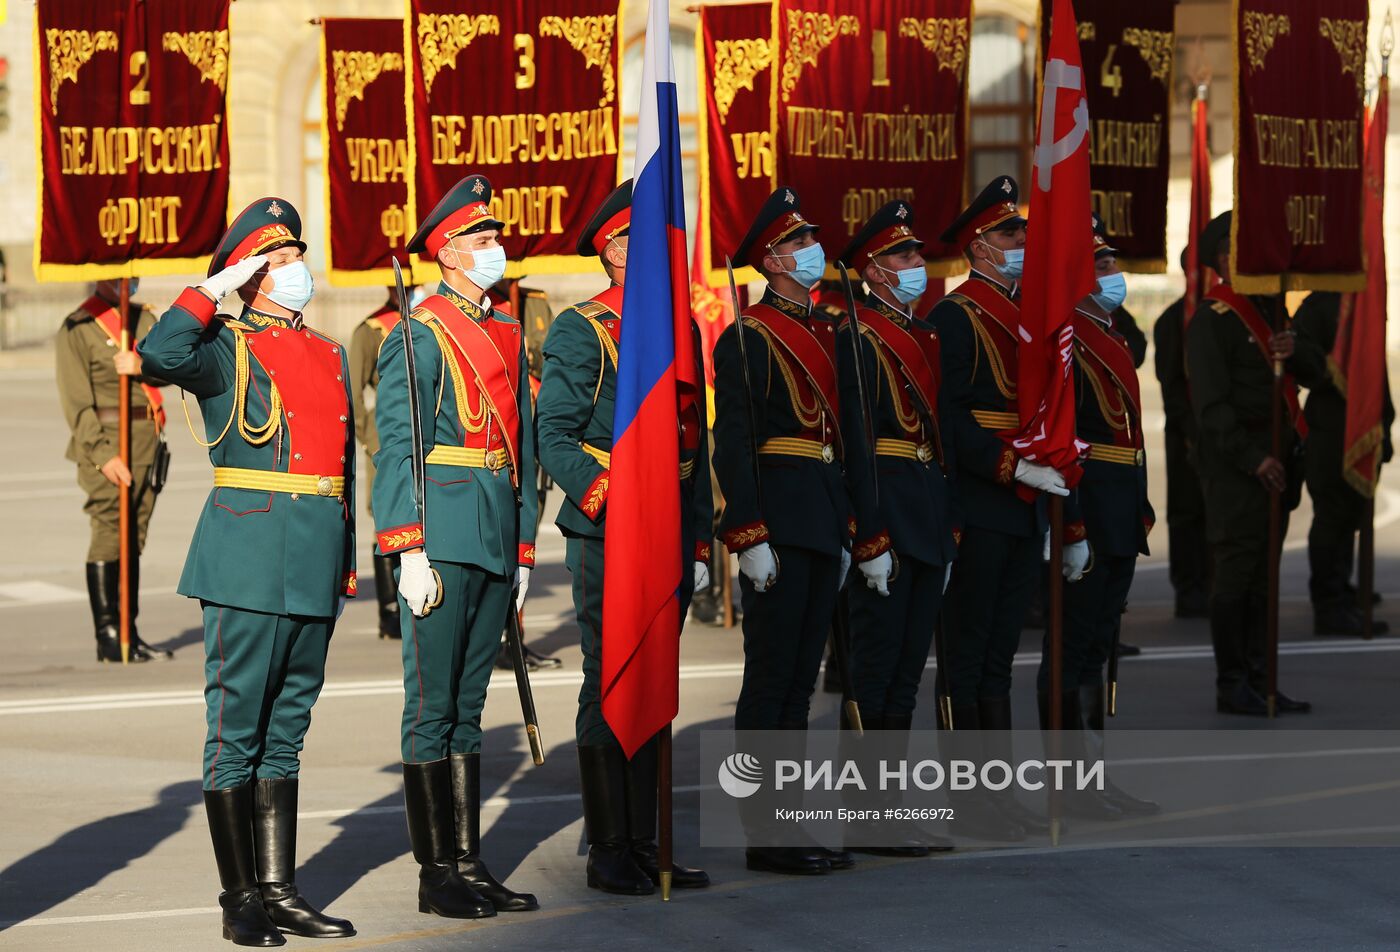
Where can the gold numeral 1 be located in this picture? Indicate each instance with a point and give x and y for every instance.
(880, 53)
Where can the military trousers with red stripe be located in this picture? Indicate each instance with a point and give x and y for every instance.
(448, 656)
(262, 674)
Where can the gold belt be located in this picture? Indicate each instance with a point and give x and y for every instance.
(996, 419)
(604, 459)
(261, 480)
(795, 446)
(904, 449)
(474, 457)
(1124, 455)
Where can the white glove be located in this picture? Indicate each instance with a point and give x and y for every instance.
(1075, 559)
(233, 277)
(759, 566)
(1047, 479)
(417, 584)
(877, 572)
(1045, 547)
(947, 576)
(702, 576)
(522, 584)
(845, 569)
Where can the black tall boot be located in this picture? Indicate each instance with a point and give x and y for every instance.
(861, 835)
(230, 813)
(602, 772)
(1257, 649)
(641, 779)
(976, 815)
(427, 794)
(388, 594)
(995, 718)
(808, 859)
(932, 842)
(1093, 706)
(275, 851)
(466, 805)
(138, 645)
(102, 585)
(1070, 741)
(1229, 634)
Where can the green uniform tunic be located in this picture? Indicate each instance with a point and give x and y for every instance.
(480, 527)
(269, 566)
(574, 420)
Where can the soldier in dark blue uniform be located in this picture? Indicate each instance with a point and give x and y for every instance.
(999, 553)
(1107, 519)
(894, 610)
(787, 512)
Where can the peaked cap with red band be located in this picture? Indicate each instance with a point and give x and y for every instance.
(266, 225)
(1101, 245)
(611, 220)
(780, 219)
(464, 209)
(994, 209)
(889, 231)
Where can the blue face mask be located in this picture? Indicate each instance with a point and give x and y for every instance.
(489, 266)
(292, 286)
(1112, 292)
(912, 284)
(808, 264)
(1013, 261)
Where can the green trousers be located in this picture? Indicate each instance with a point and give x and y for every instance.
(447, 660)
(262, 674)
(103, 508)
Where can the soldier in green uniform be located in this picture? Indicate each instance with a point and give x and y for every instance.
(1230, 350)
(1337, 506)
(365, 342)
(1109, 510)
(273, 556)
(90, 368)
(787, 512)
(1186, 508)
(999, 552)
(894, 610)
(469, 565)
(575, 421)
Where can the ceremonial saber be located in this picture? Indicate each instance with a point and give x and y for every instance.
(124, 452)
(515, 638)
(416, 455)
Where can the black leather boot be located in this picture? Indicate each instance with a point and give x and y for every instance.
(103, 579)
(1093, 706)
(1229, 635)
(427, 794)
(1070, 745)
(932, 842)
(275, 851)
(388, 594)
(466, 805)
(641, 822)
(995, 717)
(230, 813)
(603, 778)
(1258, 660)
(138, 645)
(975, 814)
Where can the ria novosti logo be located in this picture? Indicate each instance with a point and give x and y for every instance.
(740, 775)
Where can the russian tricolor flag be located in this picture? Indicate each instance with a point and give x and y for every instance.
(656, 379)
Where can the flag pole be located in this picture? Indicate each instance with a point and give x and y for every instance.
(665, 860)
(1275, 513)
(1055, 622)
(124, 452)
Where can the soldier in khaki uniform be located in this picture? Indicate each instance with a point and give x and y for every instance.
(89, 366)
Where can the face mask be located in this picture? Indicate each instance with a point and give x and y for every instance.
(1012, 262)
(1112, 292)
(808, 264)
(489, 266)
(911, 285)
(292, 286)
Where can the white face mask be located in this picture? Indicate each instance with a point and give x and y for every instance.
(292, 286)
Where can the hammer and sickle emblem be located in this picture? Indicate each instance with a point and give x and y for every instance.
(1049, 151)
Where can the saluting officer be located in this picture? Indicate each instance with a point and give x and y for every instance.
(91, 370)
(273, 556)
(1110, 511)
(365, 342)
(999, 553)
(894, 605)
(1230, 351)
(575, 427)
(787, 511)
(469, 565)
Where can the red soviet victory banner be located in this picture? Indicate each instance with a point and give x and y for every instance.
(1059, 269)
(737, 64)
(130, 104)
(872, 106)
(1300, 75)
(525, 92)
(1127, 51)
(364, 138)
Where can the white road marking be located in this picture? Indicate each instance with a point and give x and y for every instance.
(38, 593)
